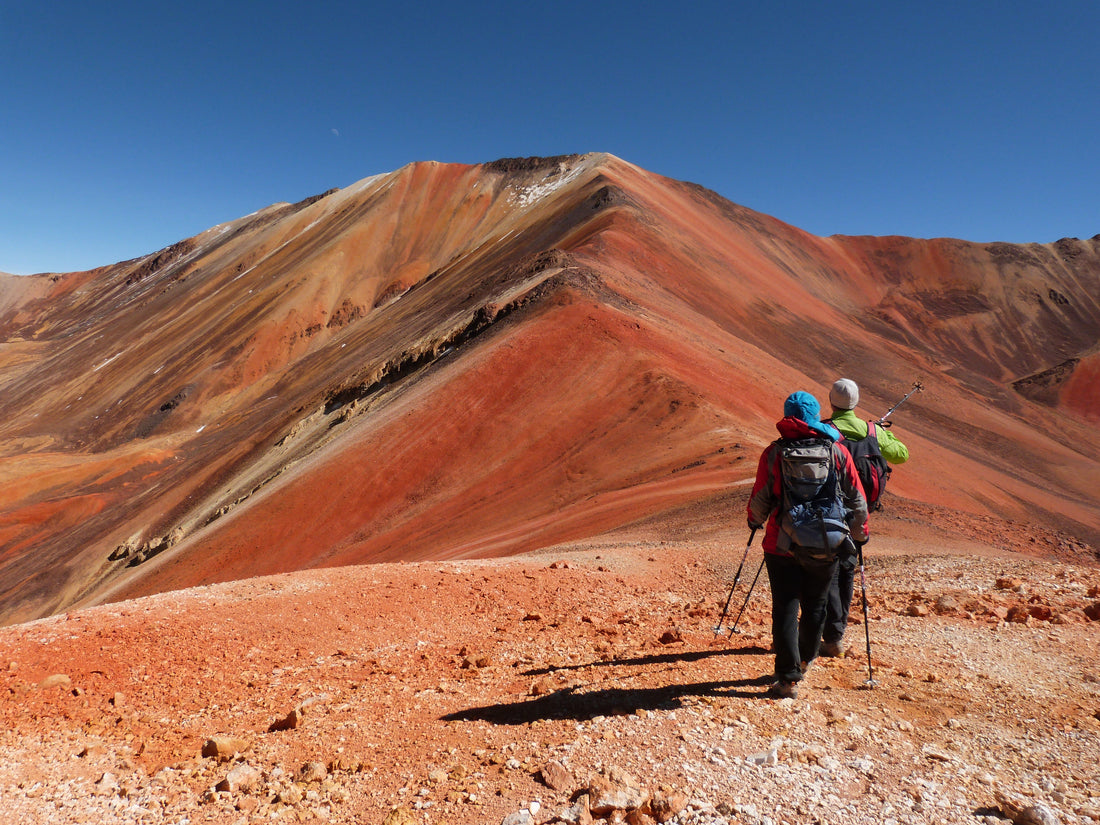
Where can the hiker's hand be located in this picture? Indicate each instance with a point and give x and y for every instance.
(753, 525)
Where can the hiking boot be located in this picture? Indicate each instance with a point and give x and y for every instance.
(783, 690)
(833, 650)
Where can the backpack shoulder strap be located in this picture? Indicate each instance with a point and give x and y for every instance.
(777, 464)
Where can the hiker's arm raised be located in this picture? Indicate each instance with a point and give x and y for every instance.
(891, 448)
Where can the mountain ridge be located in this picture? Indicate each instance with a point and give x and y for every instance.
(152, 409)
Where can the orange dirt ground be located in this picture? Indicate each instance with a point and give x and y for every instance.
(444, 689)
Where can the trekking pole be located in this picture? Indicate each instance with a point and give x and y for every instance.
(736, 578)
(917, 387)
(747, 597)
(870, 683)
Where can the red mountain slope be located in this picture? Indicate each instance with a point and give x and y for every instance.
(455, 361)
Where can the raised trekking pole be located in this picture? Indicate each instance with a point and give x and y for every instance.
(747, 597)
(736, 578)
(917, 387)
(870, 683)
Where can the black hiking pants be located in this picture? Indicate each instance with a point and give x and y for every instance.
(798, 612)
(839, 600)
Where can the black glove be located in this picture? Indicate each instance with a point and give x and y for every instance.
(754, 526)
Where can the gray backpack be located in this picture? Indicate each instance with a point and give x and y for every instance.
(813, 519)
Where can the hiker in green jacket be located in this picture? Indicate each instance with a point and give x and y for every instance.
(844, 396)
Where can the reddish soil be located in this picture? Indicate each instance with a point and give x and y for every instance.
(445, 688)
(447, 461)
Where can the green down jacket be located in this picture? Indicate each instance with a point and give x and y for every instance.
(855, 428)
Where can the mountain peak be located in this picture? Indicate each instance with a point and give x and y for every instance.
(453, 361)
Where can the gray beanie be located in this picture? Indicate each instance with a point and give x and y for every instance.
(844, 395)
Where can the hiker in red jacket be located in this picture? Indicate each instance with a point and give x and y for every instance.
(800, 566)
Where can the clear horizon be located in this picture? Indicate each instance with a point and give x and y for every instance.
(129, 127)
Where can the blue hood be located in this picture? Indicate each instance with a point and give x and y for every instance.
(803, 406)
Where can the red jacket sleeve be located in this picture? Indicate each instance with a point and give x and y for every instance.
(765, 498)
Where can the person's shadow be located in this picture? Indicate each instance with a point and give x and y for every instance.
(583, 702)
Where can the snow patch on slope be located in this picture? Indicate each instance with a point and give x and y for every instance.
(524, 196)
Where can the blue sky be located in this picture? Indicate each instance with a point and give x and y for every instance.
(127, 126)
